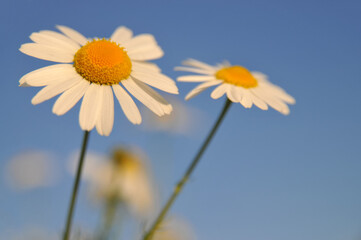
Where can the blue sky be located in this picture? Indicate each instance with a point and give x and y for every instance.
(265, 175)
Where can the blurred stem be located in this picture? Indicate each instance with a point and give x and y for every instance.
(75, 187)
(109, 216)
(178, 188)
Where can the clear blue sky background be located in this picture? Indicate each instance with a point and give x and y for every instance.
(265, 175)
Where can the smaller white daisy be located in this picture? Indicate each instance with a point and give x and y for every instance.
(95, 70)
(238, 83)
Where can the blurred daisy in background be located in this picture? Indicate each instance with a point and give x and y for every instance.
(174, 229)
(239, 84)
(184, 119)
(31, 169)
(95, 68)
(124, 177)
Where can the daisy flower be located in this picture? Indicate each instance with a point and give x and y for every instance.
(238, 83)
(124, 176)
(94, 69)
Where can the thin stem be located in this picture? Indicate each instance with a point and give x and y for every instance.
(178, 188)
(75, 187)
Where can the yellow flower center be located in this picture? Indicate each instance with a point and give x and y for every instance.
(238, 76)
(125, 162)
(102, 62)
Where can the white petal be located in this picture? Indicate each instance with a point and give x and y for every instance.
(54, 89)
(45, 52)
(200, 88)
(48, 75)
(71, 33)
(104, 123)
(261, 77)
(279, 93)
(195, 78)
(143, 66)
(225, 63)
(55, 39)
(157, 80)
(196, 70)
(258, 102)
(121, 35)
(246, 100)
(146, 96)
(89, 109)
(219, 91)
(198, 64)
(166, 107)
(275, 90)
(60, 37)
(140, 41)
(23, 84)
(271, 100)
(127, 104)
(146, 53)
(233, 93)
(70, 97)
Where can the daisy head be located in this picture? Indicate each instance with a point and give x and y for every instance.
(94, 69)
(123, 177)
(240, 85)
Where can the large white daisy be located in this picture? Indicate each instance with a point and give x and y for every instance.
(95, 68)
(238, 83)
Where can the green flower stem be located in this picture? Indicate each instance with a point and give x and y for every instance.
(75, 187)
(178, 188)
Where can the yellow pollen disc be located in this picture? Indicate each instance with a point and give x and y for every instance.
(238, 76)
(125, 161)
(103, 62)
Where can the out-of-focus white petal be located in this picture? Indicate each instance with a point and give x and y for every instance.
(246, 100)
(272, 101)
(234, 93)
(279, 92)
(127, 104)
(195, 78)
(258, 102)
(196, 70)
(219, 91)
(201, 87)
(198, 64)
(261, 77)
